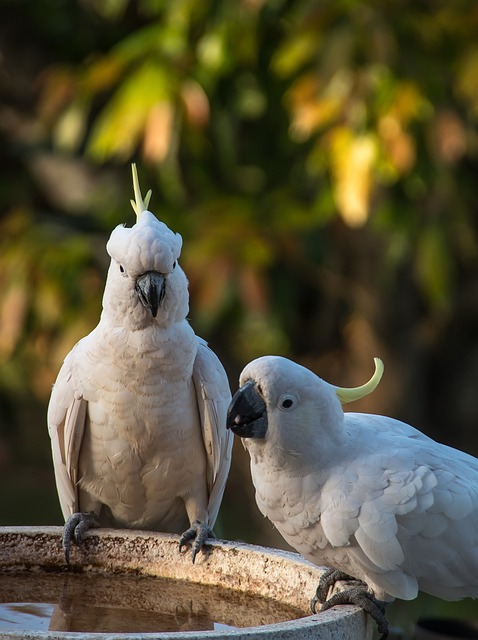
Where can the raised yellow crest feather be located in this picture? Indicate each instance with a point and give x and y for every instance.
(139, 205)
(355, 393)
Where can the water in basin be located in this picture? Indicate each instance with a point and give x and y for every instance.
(111, 603)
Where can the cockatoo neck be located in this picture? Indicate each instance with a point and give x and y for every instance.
(162, 342)
(313, 443)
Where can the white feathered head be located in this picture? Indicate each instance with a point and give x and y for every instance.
(282, 401)
(145, 283)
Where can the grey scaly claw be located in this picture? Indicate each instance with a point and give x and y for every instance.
(75, 528)
(366, 601)
(199, 532)
(326, 582)
(358, 595)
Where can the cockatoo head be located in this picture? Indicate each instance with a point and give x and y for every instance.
(145, 283)
(283, 402)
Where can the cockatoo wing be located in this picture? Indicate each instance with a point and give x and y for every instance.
(67, 413)
(407, 512)
(213, 397)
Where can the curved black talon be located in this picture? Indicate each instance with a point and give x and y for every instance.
(327, 580)
(199, 532)
(366, 601)
(358, 595)
(75, 528)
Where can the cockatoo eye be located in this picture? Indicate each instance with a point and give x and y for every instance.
(122, 270)
(174, 265)
(286, 402)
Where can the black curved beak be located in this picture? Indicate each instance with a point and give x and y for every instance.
(150, 287)
(247, 413)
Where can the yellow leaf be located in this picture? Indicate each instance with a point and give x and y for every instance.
(408, 102)
(466, 86)
(352, 159)
(313, 106)
(70, 127)
(309, 117)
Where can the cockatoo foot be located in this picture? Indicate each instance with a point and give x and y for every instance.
(327, 582)
(199, 532)
(357, 594)
(75, 527)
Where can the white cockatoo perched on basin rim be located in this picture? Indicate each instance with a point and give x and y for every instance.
(137, 415)
(367, 495)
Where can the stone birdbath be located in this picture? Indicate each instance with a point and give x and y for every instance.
(132, 585)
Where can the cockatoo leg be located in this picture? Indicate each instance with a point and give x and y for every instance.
(357, 594)
(75, 527)
(199, 532)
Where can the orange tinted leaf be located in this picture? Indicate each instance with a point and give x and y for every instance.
(102, 74)
(158, 131)
(12, 318)
(58, 86)
(196, 103)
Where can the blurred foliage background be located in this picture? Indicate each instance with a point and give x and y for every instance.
(319, 159)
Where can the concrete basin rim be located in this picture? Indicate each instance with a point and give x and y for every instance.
(309, 623)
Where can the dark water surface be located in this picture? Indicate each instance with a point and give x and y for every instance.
(127, 604)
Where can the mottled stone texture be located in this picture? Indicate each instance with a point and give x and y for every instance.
(279, 575)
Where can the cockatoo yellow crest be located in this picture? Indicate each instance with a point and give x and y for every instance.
(346, 395)
(139, 205)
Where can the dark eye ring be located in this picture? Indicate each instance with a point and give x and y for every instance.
(121, 268)
(286, 402)
(174, 264)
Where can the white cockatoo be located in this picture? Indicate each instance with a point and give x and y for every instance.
(367, 495)
(137, 415)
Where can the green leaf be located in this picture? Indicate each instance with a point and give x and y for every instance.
(434, 265)
(294, 53)
(121, 124)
